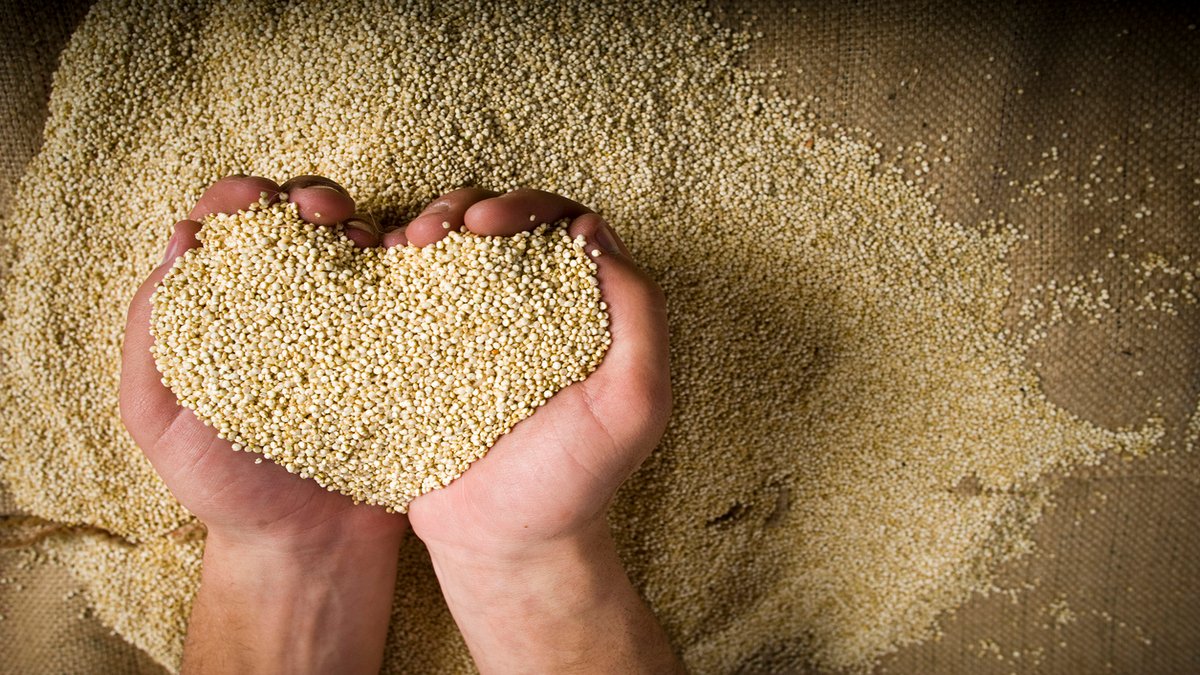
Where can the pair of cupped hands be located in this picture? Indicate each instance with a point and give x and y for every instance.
(549, 478)
(299, 579)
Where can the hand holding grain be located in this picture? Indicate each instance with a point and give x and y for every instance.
(520, 542)
(296, 579)
(554, 474)
(234, 498)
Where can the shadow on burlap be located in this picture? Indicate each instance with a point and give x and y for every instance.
(1025, 98)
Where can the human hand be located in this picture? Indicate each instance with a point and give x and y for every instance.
(574, 437)
(520, 542)
(553, 475)
(295, 578)
(234, 499)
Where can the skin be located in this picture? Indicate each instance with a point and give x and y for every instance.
(520, 543)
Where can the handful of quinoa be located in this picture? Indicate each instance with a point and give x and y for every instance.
(379, 373)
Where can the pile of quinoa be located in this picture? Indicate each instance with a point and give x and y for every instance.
(379, 373)
(856, 442)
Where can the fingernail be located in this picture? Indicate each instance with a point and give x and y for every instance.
(362, 226)
(173, 246)
(607, 239)
(436, 207)
(306, 182)
(323, 187)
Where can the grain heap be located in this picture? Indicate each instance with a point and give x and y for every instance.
(380, 373)
(856, 442)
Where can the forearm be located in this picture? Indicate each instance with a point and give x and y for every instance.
(274, 609)
(567, 607)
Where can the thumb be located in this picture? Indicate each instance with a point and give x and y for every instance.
(147, 406)
(636, 306)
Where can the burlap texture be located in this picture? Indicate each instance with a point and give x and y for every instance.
(1005, 83)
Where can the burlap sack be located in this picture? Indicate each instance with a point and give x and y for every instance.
(1115, 583)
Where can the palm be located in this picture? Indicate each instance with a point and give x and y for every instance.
(558, 468)
(555, 469)
(223, 488)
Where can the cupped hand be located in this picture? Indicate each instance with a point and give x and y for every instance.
(520, 541)
(551, 477)
(239, 502)
(554, 474)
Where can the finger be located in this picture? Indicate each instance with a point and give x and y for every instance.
(396, 237)
(147, 406)
(444, 215)
(362, 231)
(232, 194)
(183, 239)
(636, 306)
(319, 200)
(520, 210)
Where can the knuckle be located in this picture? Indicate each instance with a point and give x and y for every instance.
(657, 295)
(657, 403)
(652, 294)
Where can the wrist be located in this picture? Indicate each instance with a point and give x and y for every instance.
(564, 606)
(513, 606)
(358, 532)
(313, 551)
(292, 605)
(515, 546)
(578, 550)
(538, 583)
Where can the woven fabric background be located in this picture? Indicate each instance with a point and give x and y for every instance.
(1004, 82)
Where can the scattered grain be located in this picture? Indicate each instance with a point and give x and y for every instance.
(838, 349)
